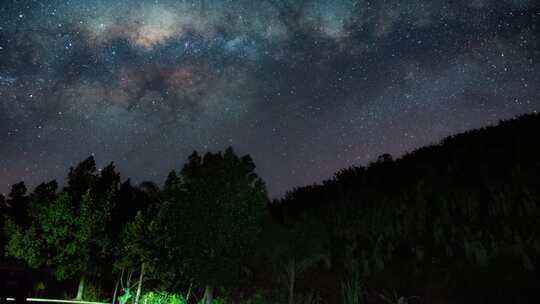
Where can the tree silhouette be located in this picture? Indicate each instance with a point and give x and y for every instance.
(212, 217)
(17, 204)
(3, 216)
(81, 178)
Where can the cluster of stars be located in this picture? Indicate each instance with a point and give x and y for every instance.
(305, 87)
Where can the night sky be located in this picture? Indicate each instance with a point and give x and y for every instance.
(305, 87)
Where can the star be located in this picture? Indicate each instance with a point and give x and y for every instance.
(307, 87)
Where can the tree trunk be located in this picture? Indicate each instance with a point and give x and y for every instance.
(121, 281)
(80, 291)
(128, 282)
(115, 291)
(188, 292)
(140, 285)
(292, 278)
(208, 295)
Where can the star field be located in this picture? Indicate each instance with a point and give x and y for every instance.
(307, 87)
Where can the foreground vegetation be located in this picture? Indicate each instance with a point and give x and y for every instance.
(457, 222)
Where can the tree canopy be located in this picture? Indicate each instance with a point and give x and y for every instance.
(211, 216)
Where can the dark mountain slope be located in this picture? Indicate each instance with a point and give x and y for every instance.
(463, 214)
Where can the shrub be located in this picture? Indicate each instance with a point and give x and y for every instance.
(162, 298)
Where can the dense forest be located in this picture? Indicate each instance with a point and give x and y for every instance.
(456, 222)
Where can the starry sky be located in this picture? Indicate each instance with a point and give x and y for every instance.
(307, 87)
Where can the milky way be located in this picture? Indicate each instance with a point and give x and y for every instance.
(305, 87)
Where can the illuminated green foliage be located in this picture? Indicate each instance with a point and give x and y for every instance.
(56, 231)
(65, 236)
(163, 298)
(126, 297)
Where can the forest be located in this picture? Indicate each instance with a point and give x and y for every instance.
(454, 222)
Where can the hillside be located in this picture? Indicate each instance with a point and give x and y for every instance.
(461, 216)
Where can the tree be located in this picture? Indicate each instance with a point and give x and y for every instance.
(17, 209)
(17, 204)
(107, 184)
(132, 211)
(211, 218)
(44, 191)
(136, 247)
(137, 240)
(66, 236)
(2, 225)
(81, 178)
(295, 249)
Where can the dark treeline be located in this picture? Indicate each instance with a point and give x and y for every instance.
(457, 222)
(460, 218)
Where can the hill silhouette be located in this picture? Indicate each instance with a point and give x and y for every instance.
(462, 216)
